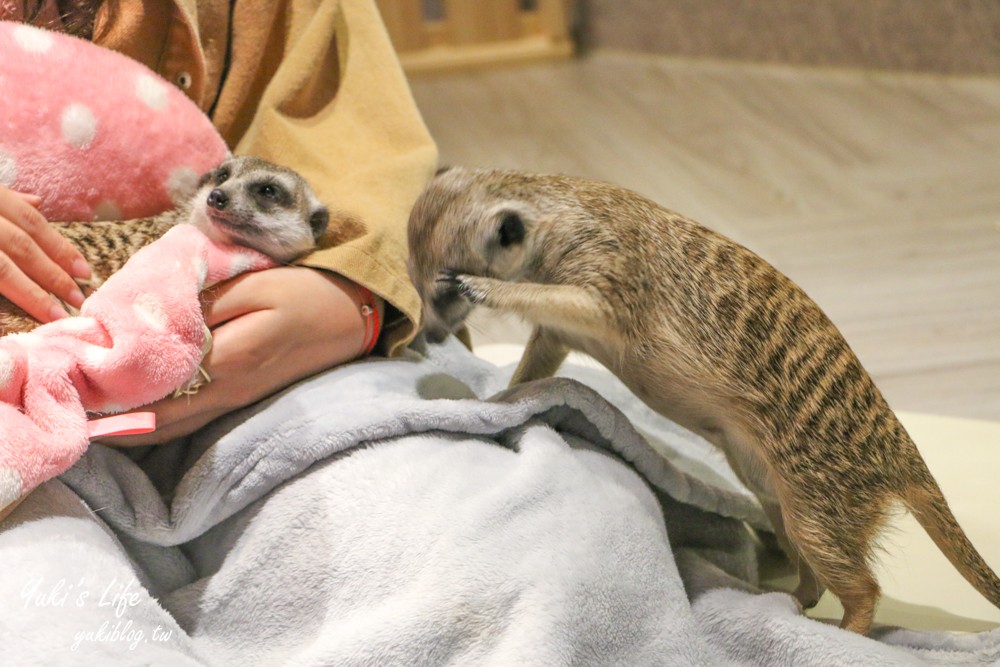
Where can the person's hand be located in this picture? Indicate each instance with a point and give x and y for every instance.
(36, 261)
(270, 329)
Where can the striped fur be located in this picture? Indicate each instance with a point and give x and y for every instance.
(106, 246)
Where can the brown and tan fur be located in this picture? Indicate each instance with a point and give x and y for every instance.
(282, 226)
(706, 333)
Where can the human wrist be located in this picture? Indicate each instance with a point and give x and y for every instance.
(371, 309)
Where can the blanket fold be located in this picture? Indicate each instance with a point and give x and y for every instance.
(413, 512)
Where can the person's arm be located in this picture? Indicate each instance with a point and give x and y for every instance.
(36, 262)
(264, 340)
(338, 110)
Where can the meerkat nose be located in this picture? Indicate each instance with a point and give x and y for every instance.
(218, 199)
(435, 335)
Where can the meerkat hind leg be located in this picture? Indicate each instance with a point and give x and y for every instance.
(840, 559)
(542, 357)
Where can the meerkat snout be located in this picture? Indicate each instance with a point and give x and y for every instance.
(218, 199)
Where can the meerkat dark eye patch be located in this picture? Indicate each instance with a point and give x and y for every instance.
(268, 191)
(511, 229)
(271, 193)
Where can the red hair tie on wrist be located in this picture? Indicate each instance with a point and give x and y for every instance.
(372, 325)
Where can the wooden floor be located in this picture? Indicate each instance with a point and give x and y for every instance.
(878, 193)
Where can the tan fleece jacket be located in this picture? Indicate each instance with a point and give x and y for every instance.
(316, 86)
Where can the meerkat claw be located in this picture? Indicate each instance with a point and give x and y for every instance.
(448, 277)
(469, 291)
(461, 283)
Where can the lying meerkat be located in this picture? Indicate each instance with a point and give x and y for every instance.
(706, 333)
(245, 201)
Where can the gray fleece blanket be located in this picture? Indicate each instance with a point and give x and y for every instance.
(415, 512)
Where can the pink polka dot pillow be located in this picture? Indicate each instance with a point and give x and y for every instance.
(96, 135)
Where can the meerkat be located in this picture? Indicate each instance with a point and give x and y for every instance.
(245, 201)
(706, 333)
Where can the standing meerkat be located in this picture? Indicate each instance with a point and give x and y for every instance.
(706, 333)
(245, 201)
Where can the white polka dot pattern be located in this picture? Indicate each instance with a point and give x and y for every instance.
(182, 184)
(107, 210)
(6, 369)
(241, 263)
(8, 170)
(10, 486)
(200, 269)
(32, 39)
(95, 356)
(152, 92)
(93, 133)
(138, 338)
(78, 125)
(149, 309)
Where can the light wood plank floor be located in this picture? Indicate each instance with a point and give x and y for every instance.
(878, 193)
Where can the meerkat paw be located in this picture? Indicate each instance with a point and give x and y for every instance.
(474, 288)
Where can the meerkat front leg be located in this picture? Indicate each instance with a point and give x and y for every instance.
(542, 356)
(560, 307)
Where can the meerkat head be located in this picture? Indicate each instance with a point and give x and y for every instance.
(466, 222)
(248, 201)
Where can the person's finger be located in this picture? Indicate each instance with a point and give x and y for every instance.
(28, 273)
(54, 245)
(26, 294)
(36, 262)
(34, 200)
(233, 299)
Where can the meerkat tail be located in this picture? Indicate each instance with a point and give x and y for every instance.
(928, 505)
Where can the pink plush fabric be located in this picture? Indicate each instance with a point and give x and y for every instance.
(95, 134)
(138, 338)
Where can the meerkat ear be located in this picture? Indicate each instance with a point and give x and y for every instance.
(319, 219)
(511, 230)
(342, 228)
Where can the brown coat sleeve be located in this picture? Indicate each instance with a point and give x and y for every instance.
(314, 85)
(335, 106)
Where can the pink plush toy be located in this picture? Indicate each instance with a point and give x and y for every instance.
(138, 338)
(96, 135)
